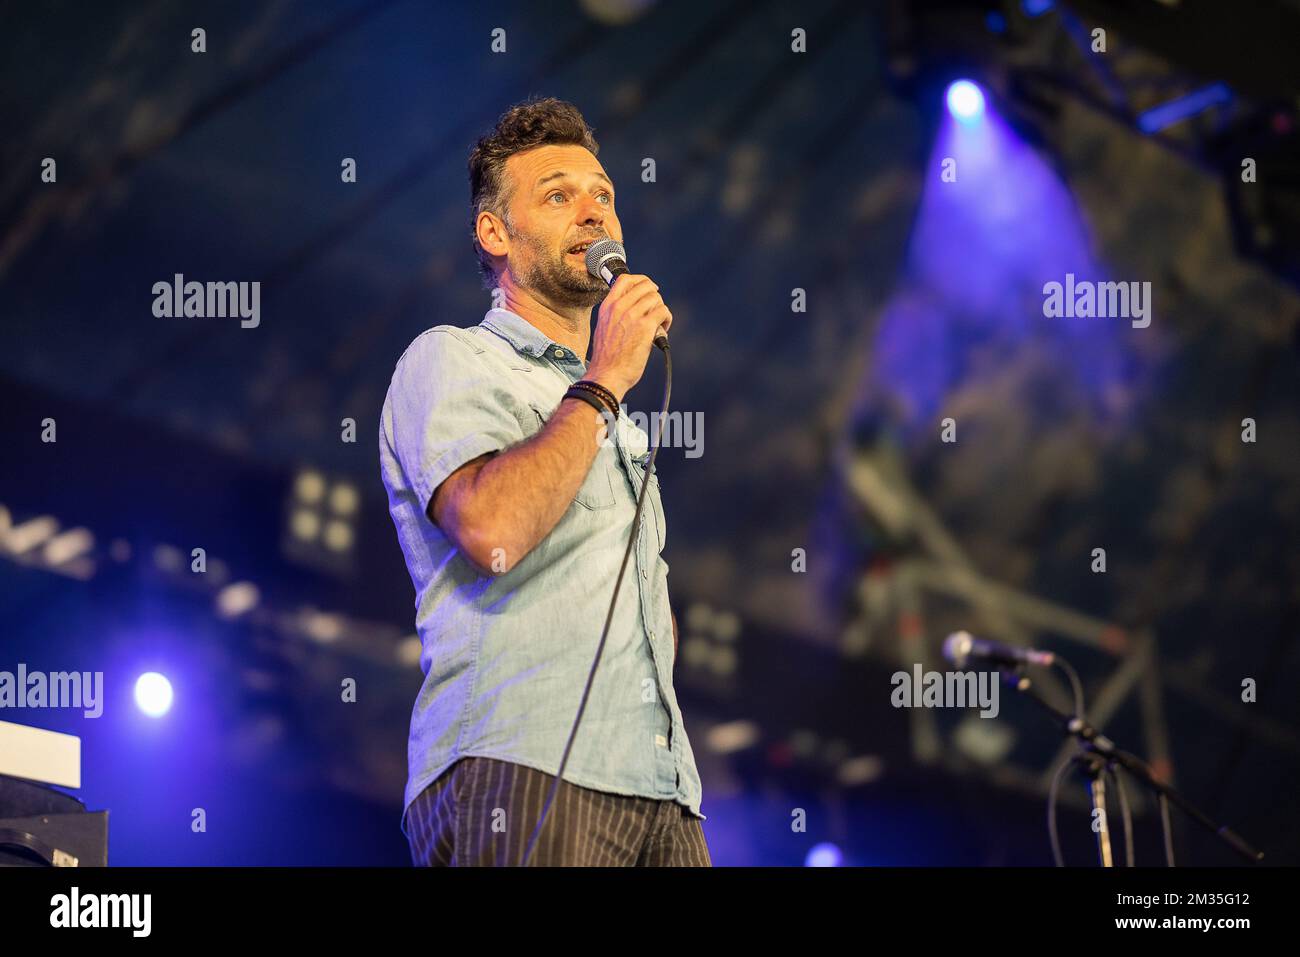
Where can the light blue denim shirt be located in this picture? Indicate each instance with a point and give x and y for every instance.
(505, 658)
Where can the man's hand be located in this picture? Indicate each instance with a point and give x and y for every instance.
(629, 319)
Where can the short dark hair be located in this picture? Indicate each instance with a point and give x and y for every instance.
(535, 122)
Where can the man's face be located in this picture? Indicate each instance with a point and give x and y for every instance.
(561, 197)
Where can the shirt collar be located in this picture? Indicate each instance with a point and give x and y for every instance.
(523, 335)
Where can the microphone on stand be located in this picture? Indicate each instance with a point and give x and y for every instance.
(961, 647)
(607, 260)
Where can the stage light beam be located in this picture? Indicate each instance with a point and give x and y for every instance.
(965, 101)
(153, 694)
(824, 855)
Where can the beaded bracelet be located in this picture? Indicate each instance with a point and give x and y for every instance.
(600, 392)
(588, 397)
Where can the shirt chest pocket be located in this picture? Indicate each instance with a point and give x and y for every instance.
(596, 491)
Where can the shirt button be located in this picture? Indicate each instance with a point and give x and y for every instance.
(661, 741)
(559, 353)
(644, 573)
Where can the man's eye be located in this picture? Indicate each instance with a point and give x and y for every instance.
(608, 198)
(553, 195)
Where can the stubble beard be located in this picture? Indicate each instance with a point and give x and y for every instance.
(549, 277)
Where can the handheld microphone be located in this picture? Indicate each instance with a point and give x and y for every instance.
(607, 260)
(961, 647)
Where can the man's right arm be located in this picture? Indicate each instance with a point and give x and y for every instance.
(497, 507)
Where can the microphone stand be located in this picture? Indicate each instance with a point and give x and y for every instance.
(1098, 752)
(1094, 769)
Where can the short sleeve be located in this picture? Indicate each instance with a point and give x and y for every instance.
(444, 409)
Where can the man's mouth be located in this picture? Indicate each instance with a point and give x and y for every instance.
(581, 248)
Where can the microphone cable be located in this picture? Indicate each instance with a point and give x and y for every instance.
(662, 343)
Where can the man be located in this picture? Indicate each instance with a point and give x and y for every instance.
(513, 505)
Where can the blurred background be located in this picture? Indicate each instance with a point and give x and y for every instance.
(827, 536)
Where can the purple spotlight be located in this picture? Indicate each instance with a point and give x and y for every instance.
(965, 101)
(153, 694)
(824, 855)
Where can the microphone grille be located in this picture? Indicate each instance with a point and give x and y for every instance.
(598, 252)
(957, 647)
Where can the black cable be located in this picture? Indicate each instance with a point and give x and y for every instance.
(1075, 685)
(1126, 814)
(1165, 824)
(1167, 830)
(609, 617)
(1052, 792)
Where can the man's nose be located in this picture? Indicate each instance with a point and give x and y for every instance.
(592, 213)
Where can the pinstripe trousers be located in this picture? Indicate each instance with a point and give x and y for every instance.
(482, 812)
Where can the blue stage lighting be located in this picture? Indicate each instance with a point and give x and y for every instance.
(153, 694)
(965, 101)
(824, 855)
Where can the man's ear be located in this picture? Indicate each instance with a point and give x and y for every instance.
(492, 234)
